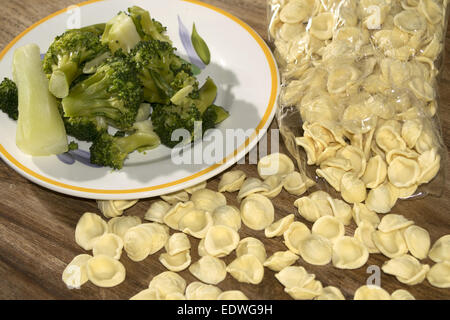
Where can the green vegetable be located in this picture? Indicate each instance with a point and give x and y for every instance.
(73, 146)
(148, 28)
(98, 28)
(200, 46)
(9, 98)
(85, 128)
(120, 33)
(207, 95)
(113, 92)
(220, 113)
(112, 151)
(40, 128)
(66, 56)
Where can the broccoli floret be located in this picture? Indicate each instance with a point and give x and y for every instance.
(113, 92)
(73, 146)
(66, 56)
(98, 29)
(111, 151)
(120, 33)
(9, 100)
(148, 28)
(85, 128)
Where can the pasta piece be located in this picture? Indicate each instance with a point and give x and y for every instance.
(332, 175)
(276, 185)
(294, 276)
(376, 172)
(177, 243)
(277, 164)
(145, 239)
(221, 240)
(364, 234)
(312, 208)
(247, 269)
(298, 11)
(316, 250)
(167, 283)
(331, 293)
(391, 244)
(257, 212)
(277, 228)
(199, 186)
(89, 228)
(356, 157)
(209, 270)
(173, 216)
(75, 273)
(349, 253)
(391, 222)
(114, 208)
(208, 200)
(341, 77)
(201, 248)
(280, 260)
(251, 186)
(120, 225)
(329, 227)
(411, 131)
(232, 181)
(440, 251)
(371, 292)
(321, 26)
(381, 199)
(429, 162)
(308, 292)
(353, 190)
(295, 183)
(196, 223)
(146, 294)
(105, 272)
(177, 262)
(232, 295)
(388, 136)
(362, 213)
(418, 241)
(109, 245)
(403, 172)
(341, 210)
(294, 235)
(251, 246)
(402, 294)
(439, 275)
(175, 197)
(229, 216)
(200, 291)
(159, 235)
(157, 211)
(406, 269)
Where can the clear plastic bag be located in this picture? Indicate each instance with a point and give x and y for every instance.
(359, 91)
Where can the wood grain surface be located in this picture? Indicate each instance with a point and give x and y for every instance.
(37, 225)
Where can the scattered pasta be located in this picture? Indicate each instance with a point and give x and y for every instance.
(174, 198)
(221, 240)
(331, 293)
(402, 294)
(200, 291)
(275, 164)
(349, 253)
(89, 228)
(316, 250)
(114, 208)
(167, 283)
(177, 243)
(440, 251)
(196, 223)
(418, 241)
(176, 262)
(294, 235)
(120, 225)
(157, 211)
(439, 275)
(391, 244)
(105, 272)
(247, 269)
(75, 273)
(277, 228)
(232, 181)
(328, 227)
(406, 269)
(208, 200)
(280, 260)
(232, 295)
(227, 216)
(371, 292)
(257, 212)
(251, 246)
(200, 186)
(109, 245)
(209, 270)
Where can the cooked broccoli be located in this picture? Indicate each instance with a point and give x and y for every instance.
(113, 91)
(120, 33)
(66, 56)
(9, 100)
(73, 146)
(98, 29)
(148, 28)
(85, 128)
(111, 151)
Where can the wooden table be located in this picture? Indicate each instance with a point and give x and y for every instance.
(37, 225)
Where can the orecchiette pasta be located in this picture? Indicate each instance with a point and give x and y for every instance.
(391, 244)
(89, 228)
(208, 200)
(246, 268)
(275, 184)
(257, 212)
(232, 295)
(221, 240)
(166, 283)
(251, 186)
(174, 198)
(157, 211)
(120, 225)
(109, 245)
(298, 283)
(75, 273)
(176, 262)
(229, 216)
(177, 242)
(280, 260)
(232, 181)
(349, 253)
(362, 213)
(200, 291)
(295, 183)
(277, 228)
(329, 227)
(402, 294)
(364, 234)
(196, 223)
(406, 269)
(440, 251)
(114, 208)
(315, 249)
(391, 222)
(331, 293)
(191, 190)
(173, 216)
(275, 164)
(104, 271)
(294, 235)
(251, 246)
(439, 275)
(371, 292)
(209, 270)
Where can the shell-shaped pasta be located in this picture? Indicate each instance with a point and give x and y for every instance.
(209, 270)
(196, 223)
(395, 153)
(257, 212)
(105, 272)
(227, 216)
(200, 186)
(232, 181)
(439, 275)
(221, 240)
(294, 235)
(175, 197)
(391, 244)
(381, 199)
(157, 211)
(296, 11)
(89, 228)
(410, 21)
(201, 248)
(177, 262)
(200, 291)
(406, 269)
(388, 136)
(276, 185)
(353, 189)
(321, 26)
(159, 235)
(429, 163)
(295, 183)
(341, 210)
(308, 292)
(280, 260)
(208, 200)
(332, 175)
(308, 145)
(362, 213)
(440, 251)
(331, 293)
(114, 208)
(431, 10)
(364, 234)
(177, 242)
(422, 89)
(294, 276)
(167, 283)
(277, 228)
(341, 77)
(376, 172)
(247, 269)
(403, 172)
(356, 157)
(251, 186)
(120, 225)
(146, 294)
(144, 239)
(411, 131)
(329, 227)
(275, 164)
(391, 222)
(75, 273)
(316, 250)
(289, 31)
(349, 253)
(109, 244)
(232, 295)
(173, 216)
(251, 246)
(312, 208)
(402, 294)
(371, 292)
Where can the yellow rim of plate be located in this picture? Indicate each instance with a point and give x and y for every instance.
(272, 100)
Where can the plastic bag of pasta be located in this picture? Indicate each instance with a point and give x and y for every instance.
(359, 103)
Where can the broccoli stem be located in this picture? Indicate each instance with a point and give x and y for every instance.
(207, 95)
(62, 77)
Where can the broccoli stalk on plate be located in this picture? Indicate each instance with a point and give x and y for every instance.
(9, 98)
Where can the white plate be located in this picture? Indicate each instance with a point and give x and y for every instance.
(241, 65)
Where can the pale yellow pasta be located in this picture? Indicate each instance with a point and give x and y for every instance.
(200, 291)
(308, 292)
(199, 186)
(353, 189)
(157, 211)
(209, 270)
(332, 175)
(196, 223)
(294, 276)
(229, 216)
(232, 181)
(114, 208)
(391, 244)
(356, 157)
(429, 162)
(173, 216)
(440, 251)
(232, 295)
(109, 245)
(331, 293)
(411, 130)
(376, 172)
(295, 183)
(280, 260)
(167, 283)
(315, 206)
(275, 164)
(175, 197)
(406, 269)
(341, 77)
(89, 228)
(105, 272)
(221, 240)
(176, 262)
(402, 294)
(75, 273)
(275, 184)
(251, 186)
(364, 234)
(159, 235)
(277, 228)
(201, 248)
(257, 212)
(341, 210)
(403, 172)
(251, 246)
(321, 26)
(391, 222)
(349, 253)
(439, 275)
(381, 199)
(145, 239)
(371, 292)
(294, 235)
(247, 269)
(316, 250)
(388, 136)
(120, 225)
(208, 200)
(329, 227)
(177, 243)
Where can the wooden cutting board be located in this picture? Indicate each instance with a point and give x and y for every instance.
(37, 225)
